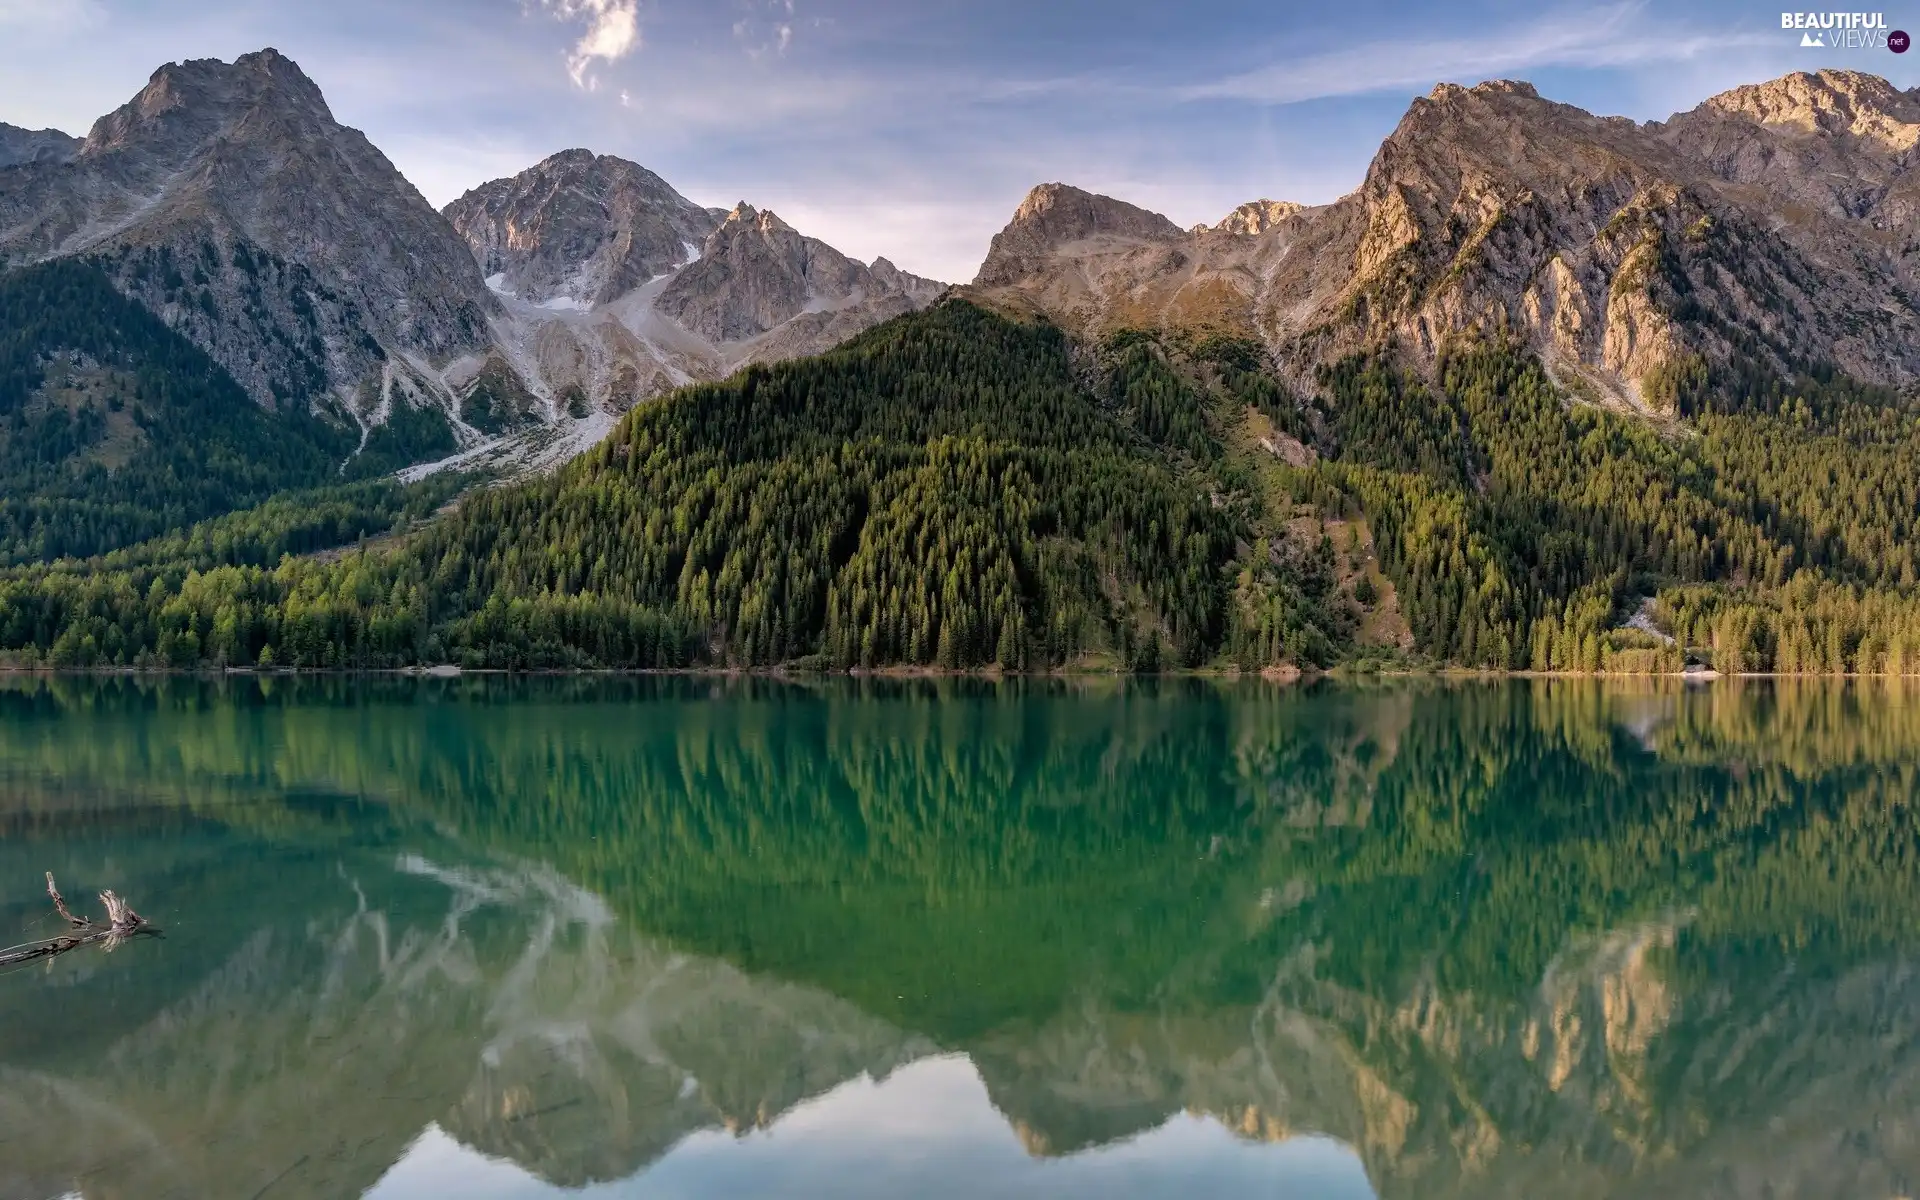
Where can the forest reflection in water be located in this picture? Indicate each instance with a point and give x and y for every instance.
(672, 936)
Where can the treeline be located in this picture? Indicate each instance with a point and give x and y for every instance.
(115, 429)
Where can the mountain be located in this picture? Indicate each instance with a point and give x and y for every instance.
(757, 277)
(578, 229)
(618, 288)
(19, 145)
(1766, 231)
(226, 198)
(1838, 142)
(1549, 391)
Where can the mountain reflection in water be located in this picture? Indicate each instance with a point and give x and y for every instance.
(929, 1129)
(677, 938)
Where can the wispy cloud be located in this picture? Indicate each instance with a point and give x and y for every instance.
(1609, 36)
(613, 32)
(769, 33)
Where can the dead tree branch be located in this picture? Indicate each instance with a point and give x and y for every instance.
(122, 923)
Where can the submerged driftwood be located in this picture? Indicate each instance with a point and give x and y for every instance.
(122, 923)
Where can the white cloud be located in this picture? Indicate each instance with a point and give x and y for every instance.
(613, 32)
(1611, 36)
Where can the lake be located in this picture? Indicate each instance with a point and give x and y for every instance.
(872, 938)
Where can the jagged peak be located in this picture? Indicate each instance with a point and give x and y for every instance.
(1506, 87)
(1055, 214)
(265, 64)
(1444, 92)
(206, 92)
(1254, 217)
(744, 216)
(573, 156)
(1062, 204)
(1829, 101)
(579, 158)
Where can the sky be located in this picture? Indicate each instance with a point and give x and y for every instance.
(912, 128)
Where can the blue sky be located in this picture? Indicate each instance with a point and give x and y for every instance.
(910, 128)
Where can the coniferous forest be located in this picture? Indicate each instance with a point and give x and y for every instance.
(958, 490)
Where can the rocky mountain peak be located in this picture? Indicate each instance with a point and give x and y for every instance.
(187, 101)
(1254, 217)
(578, 227)
(1827, 102)
(1620, 250)
(1840, 143)
(1064, 211)
(758, 273)
(226, 197)
(1055, 215)
(1453, 93)
(618, 288)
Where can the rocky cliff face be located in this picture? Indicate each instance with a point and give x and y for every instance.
(1838, 142)
(227, 198)
(1769, 224)
(757, 273)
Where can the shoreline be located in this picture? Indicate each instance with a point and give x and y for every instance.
(1284, 676)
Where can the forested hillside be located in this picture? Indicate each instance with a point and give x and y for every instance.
(950, 489)
(958, 490)
(115, 429)
(1774, 529)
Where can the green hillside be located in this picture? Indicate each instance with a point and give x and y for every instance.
(958, 490)
(115, 429)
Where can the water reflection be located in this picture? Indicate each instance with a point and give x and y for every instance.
(929, 1129)
(664, 938)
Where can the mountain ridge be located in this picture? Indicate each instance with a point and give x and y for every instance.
(1622, 251)
(227, 199)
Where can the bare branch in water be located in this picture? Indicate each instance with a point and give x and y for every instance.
(60, 905)
(122, 923)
